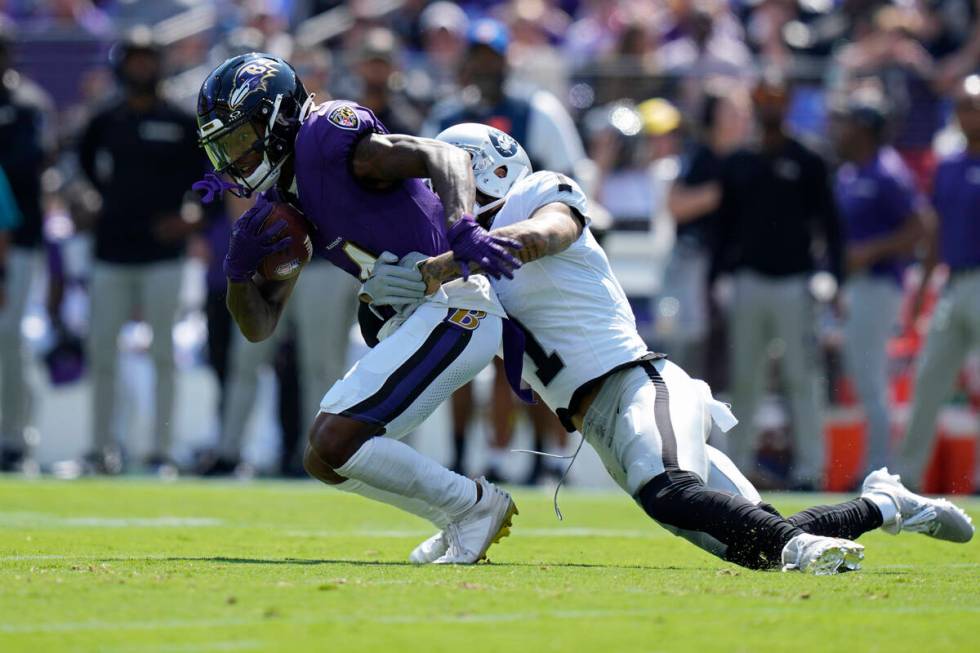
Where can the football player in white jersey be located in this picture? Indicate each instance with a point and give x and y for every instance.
(647, 419)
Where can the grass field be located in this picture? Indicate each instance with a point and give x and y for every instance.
(134, 565)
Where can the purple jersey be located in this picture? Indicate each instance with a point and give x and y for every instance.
(874, 201)
(956, 195)
(352, 224)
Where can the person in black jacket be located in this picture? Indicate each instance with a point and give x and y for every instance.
(775, 197)
(141, 155)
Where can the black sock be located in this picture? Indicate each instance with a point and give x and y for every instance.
(753, 536)
(849, 520)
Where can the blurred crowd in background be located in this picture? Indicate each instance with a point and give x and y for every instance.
(786, 189)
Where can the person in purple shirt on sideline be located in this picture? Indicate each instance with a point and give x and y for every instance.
(955, 326)
(362, 193)
(883, 217)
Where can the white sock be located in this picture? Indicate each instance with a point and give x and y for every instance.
(497, 458)
(411, 505)
(394, 467)
(886, 505)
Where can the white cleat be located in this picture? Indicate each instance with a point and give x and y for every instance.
(431, 550)
(487, 522)
(917, 514)
(821, 556)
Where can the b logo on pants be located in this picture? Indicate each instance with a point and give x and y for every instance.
(466, 318)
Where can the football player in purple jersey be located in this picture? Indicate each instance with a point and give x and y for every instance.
(362, 192)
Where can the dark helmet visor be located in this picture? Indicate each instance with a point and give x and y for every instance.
(237, 150)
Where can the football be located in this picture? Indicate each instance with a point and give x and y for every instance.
(288, 263)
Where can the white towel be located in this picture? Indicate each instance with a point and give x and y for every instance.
(721, 413)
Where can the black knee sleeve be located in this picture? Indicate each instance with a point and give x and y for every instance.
(754, 537)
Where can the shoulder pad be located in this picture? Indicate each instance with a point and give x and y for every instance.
(545, 187)
(346, 116)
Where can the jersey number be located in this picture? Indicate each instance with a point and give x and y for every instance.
(547, 366)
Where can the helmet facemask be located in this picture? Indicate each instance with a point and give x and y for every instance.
(242, 149)
(500, 172)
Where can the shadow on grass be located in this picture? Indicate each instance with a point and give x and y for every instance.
(223, 560)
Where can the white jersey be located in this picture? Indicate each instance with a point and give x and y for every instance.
(577, 321)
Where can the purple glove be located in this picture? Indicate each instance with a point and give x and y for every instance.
(250, 242)
(213, 186)
(472, 244)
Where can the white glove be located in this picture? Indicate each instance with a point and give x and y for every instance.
(391, 284)
(412, 260)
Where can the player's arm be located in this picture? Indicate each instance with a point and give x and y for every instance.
(550, 230)
(381, 160)
(256, 304)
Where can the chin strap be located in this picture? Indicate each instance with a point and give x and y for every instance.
(307, 108)
(494, 204)
(488, 207)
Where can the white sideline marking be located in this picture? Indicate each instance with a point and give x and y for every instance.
(230, 645)
(44, 520)
(399, 619)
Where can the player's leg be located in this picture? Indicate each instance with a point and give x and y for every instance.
(871, 311)
(390, 391)
(114, 295)
(792, 310)
(160, 290)
(14, 385)
(946, 347)
(884, 503)
(394, 483)
(649, 425)
(749, 337)
(848, 520)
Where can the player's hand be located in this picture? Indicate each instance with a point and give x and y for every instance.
(416, 261)
(251, 242)
(391, 284)
(474, 245)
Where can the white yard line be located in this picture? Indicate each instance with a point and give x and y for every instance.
(226, 645)
(465, 618)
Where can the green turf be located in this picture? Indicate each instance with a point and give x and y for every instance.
(134, 565)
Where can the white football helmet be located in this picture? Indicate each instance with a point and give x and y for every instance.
(499, 161)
